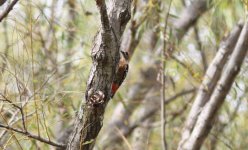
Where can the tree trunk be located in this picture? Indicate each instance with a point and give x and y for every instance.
(105, 56)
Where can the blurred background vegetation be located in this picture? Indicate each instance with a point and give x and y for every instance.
(45, 59)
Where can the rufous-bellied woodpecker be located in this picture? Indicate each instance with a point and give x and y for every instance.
(121, 72)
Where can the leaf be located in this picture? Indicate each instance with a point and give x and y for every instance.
(88, 142)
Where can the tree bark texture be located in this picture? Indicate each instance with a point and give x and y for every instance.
(105, 56)
(207, 116)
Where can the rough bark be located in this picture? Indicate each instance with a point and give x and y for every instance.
(210, 80)
(105, 56)
(206, 118)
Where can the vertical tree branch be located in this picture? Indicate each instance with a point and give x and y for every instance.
(6, 51)
(105, 56)
(163, 65)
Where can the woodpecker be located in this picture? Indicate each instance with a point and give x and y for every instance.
(121, 72)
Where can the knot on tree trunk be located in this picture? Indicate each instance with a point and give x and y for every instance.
(95, 98)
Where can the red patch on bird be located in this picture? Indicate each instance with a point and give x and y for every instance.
(114, 88)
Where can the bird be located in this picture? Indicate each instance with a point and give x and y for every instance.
(121, 73)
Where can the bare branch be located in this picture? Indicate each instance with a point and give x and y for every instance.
(206, 118)
(33, 136)
(210, 80)
(104, 15)
(16, 106)
(189, 17)
(162, 90)
(9, 8)
(2, 2)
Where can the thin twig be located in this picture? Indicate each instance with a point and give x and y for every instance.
(202, 52)
(16, 106)
(166, 102)
(12, 133)
(124, 138)
(163, 111)
(184, 92)
(32, 65)
(30, 135)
